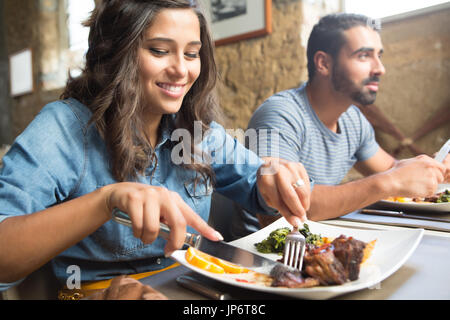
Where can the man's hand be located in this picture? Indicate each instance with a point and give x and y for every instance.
(416, 177)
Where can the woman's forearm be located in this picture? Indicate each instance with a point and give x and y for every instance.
(31, 240)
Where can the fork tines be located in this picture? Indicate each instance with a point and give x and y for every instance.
(294, 249)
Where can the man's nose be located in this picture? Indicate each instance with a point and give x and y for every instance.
(378, 68)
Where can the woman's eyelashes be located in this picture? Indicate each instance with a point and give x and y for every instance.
(158, 52)
(192, 54)
(163, 52)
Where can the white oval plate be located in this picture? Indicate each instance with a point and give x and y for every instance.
(419, 206)
(416, 206)
(392, 249)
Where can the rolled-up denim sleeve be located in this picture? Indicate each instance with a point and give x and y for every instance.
(42, 166)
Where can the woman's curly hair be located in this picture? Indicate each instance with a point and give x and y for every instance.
(110, 84)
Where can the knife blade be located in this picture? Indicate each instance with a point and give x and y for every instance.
(400, 214)
(442, 153)
(219, 249)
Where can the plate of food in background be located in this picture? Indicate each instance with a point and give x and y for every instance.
(338, 260)
(439, 202)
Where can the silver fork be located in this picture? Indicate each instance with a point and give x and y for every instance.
(294, 249)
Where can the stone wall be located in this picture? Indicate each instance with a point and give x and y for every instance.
(5, 100)
(31, 24)
(253, 70)
(417, 79)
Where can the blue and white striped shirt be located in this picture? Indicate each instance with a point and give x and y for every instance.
(302, 137)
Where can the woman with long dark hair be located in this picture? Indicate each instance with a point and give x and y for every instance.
(136, 131)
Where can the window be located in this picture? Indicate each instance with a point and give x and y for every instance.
(78, 11)
(385, 8)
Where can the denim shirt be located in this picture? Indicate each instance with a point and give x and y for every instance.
(60, 156)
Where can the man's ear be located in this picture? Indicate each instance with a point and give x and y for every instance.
(323, 63)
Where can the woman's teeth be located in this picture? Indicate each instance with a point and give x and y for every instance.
(171, 88)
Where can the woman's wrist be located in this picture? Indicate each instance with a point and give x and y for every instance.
(104, 193)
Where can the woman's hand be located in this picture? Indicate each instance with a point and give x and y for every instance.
(125, 288)
(276, 183)
(147, 206)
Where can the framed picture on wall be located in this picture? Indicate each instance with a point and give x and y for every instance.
(21, 72)
(235, 20)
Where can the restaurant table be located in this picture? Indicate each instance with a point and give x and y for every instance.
(425, 275)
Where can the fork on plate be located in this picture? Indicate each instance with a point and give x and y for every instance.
(294, 249)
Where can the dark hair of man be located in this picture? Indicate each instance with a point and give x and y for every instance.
(110, 84)
(327, 35)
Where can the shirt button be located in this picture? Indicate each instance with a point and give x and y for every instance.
(158, 261)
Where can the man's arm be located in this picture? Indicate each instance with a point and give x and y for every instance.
(329, 202)
(333, 201)
(379, 162)
(415, 177)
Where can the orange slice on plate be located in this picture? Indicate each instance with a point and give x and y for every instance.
(399, 199)
(198, 259)
(228, 266)
(209, 263)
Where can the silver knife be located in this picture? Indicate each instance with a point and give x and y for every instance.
(442, 153)
(219, 249)
(400, 214)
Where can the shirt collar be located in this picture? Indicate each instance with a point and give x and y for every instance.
(167, 126)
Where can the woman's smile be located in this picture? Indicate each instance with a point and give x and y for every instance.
(172, 90)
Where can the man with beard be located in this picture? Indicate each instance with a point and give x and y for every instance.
(319, 125)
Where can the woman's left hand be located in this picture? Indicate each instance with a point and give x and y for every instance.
(125, 288)
(285, 186)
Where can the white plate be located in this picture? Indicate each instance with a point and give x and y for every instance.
(418, 206)
(442, 187)
(391, 251)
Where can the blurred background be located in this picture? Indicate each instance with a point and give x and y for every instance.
(411, 114)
